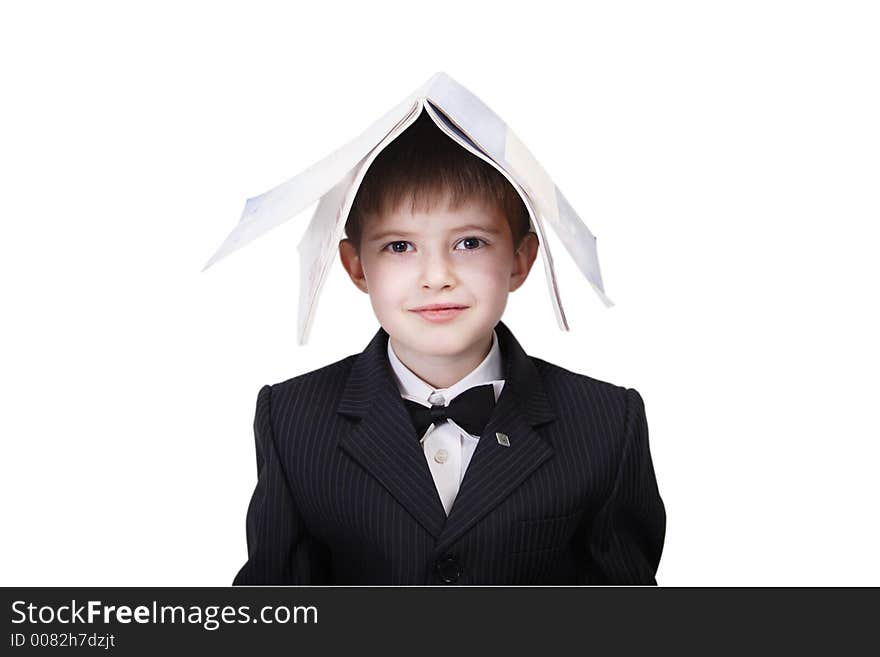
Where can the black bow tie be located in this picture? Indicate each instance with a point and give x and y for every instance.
(470, 410)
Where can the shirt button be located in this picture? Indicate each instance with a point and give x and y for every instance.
(441, 456)
(437, 399)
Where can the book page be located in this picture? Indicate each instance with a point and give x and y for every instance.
(272, 208)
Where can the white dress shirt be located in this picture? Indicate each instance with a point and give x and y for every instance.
(448, 448)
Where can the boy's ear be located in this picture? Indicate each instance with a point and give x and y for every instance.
(523, 259)
(352, 263)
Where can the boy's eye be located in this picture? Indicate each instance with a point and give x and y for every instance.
(472, 243)
(397, 247)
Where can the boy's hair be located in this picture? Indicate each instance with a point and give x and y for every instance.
(423, 166)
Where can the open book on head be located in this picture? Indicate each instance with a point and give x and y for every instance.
(335, 180)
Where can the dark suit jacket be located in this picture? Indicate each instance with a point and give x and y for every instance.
(344, 495)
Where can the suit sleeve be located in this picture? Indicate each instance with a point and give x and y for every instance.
(629, 530)
(277, 541)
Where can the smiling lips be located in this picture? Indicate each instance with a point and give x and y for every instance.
(439, 312)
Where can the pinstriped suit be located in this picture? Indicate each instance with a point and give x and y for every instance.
(344, 495)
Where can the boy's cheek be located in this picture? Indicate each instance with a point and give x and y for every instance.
(489, 278)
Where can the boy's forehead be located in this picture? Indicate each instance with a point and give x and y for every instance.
(442, 217)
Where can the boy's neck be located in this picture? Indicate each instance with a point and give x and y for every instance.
(442, 372)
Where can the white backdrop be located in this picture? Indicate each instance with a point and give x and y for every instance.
(727, 156)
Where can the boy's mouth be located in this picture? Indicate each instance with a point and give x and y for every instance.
(439, 312)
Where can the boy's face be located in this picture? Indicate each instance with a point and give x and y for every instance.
(462, 258)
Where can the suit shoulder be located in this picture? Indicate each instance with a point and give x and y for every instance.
(325, 381)
(567, 388)
(553, 372)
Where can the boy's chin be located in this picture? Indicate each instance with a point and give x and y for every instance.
(446, 339)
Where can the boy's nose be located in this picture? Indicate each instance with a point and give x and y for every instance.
(437, 271)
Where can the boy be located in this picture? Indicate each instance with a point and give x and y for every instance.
(443, 454)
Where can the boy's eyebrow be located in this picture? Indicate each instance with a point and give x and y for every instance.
(405, 233)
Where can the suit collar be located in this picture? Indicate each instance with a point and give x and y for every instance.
(384, 443)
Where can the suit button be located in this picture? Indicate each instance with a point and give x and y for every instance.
(449, 570)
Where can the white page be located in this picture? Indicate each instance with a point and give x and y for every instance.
(264, 212)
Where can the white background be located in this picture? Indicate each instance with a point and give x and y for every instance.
(727, 156)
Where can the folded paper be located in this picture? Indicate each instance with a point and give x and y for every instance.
(334, 182)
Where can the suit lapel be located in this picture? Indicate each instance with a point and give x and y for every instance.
(495, 469)
(384, 441)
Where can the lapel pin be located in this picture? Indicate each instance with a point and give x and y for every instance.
(503, 439)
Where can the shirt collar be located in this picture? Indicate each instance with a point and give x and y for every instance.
(490, 370)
